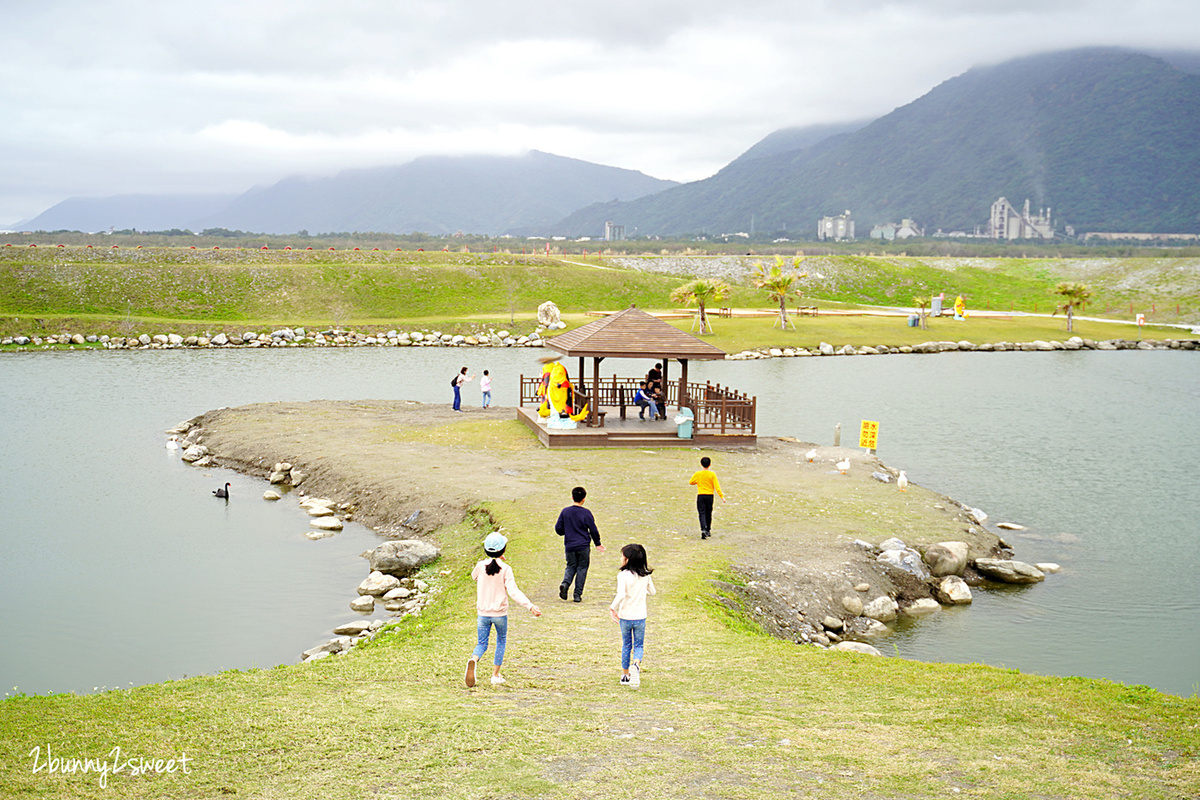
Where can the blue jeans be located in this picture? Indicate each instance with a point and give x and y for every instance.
(633, 636)
(457, 398)
(487, 399)
(485, 628)
(578, 562)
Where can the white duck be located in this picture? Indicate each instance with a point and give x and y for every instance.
(902, 481)
(843, 465)
(811, 454)
(173, 443)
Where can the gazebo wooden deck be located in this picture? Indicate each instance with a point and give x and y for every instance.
(722, 416)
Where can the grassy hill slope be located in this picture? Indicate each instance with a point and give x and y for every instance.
(130, 291)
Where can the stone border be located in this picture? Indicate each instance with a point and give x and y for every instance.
(1074, 343)
(284, 337)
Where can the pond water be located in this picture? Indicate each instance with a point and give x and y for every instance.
(119, 567)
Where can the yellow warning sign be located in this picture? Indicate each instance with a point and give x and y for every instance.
(868, 434)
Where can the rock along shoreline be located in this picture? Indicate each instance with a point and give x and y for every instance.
(338, 337)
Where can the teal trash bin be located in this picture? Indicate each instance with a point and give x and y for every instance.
(685, 420)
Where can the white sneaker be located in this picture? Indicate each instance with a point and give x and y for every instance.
(626, 681)
(635, 675)
(497, 680)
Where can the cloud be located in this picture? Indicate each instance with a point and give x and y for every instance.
(132, 95)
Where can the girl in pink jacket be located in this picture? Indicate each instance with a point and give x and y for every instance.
(494, 583)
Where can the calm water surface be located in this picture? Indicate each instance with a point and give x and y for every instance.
(119, 567)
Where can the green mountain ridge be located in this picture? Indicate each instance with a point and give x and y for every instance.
(1103, 137)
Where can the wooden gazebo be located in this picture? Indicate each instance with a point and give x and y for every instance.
(719, 412)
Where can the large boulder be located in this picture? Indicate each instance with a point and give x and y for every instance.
(882, 608)
(377, 584)
(947, 558)
(547, 315)
(1007, 571)
(952, 591)
(904, 558)
(402, 557)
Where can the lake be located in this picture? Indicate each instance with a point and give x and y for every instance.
(120, 568)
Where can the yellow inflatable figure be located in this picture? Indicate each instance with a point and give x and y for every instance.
(558, 396)
(960, 308)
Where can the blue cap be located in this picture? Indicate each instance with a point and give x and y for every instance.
(494, 543)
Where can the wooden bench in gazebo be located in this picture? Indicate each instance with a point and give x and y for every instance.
(722, 415)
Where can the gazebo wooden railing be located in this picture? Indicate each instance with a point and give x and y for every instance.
(716, 408)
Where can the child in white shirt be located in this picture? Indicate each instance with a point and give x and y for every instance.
(629, 609)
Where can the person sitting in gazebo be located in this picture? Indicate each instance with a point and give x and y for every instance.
(643, 400)
(654, 389)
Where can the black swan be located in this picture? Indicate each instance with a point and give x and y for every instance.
(222, 492)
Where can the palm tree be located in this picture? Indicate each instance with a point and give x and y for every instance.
(1074, 295)
(921, 303)
(700, 292)
(778, 285)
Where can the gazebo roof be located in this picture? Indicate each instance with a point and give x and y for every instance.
(633, 333)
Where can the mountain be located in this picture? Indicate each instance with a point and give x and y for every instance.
(1104, 137)
(142, 211)
(434, 194)
(787, 140)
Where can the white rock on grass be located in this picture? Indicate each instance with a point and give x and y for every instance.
(857, 647)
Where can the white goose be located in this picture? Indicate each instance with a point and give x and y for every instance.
(902, 481)
(843, 465)
(173, 443)
(811, 454)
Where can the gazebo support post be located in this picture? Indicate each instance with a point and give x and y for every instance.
(666, 382)
(594, 409)
(684, 400)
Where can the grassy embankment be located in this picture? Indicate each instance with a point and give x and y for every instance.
(129, 292)
(724, 711)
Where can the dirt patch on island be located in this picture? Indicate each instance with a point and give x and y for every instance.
(793, 529)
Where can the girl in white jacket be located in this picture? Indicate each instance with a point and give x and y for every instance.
(629, 609)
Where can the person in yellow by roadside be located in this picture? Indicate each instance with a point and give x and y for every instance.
(706, 483)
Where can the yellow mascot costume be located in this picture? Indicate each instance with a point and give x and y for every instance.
(558, 397)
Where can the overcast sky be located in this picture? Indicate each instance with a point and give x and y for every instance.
(144, 96)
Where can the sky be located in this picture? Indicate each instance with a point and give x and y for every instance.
(111, 97)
